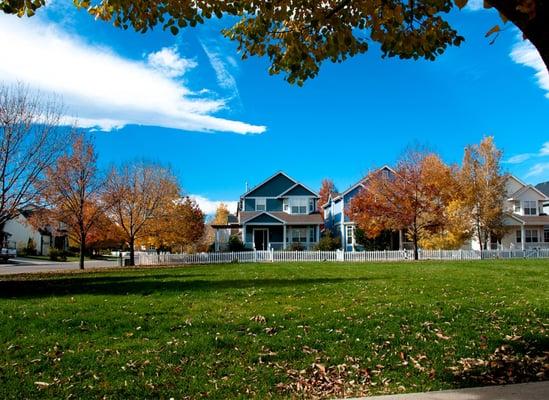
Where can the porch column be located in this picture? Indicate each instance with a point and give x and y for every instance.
(244, 235)
(317, 233)
(522, 237)
(216, 240)
(284, 237)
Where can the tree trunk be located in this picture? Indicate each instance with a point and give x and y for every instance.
(416, 250)
(132, 251)
(82, 251)
(534, 26)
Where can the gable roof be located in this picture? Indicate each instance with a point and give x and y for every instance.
(543, 187)
(295, 188)
(279, 173)
(361, 183)
(525, 187)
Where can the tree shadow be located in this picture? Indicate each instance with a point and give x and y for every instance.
(144, 285)
(519, 360)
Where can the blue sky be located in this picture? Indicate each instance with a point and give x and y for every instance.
(190, 102)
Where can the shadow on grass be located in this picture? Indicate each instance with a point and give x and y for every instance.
(146, 285)
(520, 360)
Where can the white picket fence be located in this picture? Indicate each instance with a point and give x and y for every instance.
(336, 256)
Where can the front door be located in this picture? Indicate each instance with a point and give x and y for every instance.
(261, 240)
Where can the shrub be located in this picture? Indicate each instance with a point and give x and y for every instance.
(57, 255)
(328, 243)
(30, 250)
(235, 244)
(296, 247)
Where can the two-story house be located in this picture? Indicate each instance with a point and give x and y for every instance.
(279, 213)
(528, 224)
(336, 216)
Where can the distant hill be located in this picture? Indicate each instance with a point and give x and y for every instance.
(543, 187)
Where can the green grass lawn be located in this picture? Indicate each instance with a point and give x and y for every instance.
(274, 330)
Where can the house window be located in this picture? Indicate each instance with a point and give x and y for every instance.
(299, 235)
(530, 207)
(311, 205)
(350, 234)
(531, 236)
(516, 207)
(298, 205)
(312, 234)
(546, 235)
(519, 237)
(260, 204)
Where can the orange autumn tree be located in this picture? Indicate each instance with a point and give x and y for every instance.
(413, 199)
(483, 188)
(179, 228)
(327, 187)
(72, 192)
(138, 195)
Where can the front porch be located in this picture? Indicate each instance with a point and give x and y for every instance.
(280, 236)
(525, 237)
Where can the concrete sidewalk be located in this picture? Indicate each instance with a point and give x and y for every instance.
(523, 391)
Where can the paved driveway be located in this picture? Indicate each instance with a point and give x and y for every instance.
(26, 265)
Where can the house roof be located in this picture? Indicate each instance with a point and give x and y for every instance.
(525, 187)
(530, 219)
(284, 218)
(267, 180)
(543, 187)
(338, 196)
(296, 188)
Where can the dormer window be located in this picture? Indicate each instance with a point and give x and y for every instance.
(260, 204)
(530, 207)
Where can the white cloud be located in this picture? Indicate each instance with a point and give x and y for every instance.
(544, 151)
(538, 169)
(475, 5)
(102, 88)
(519, 158)
(209, 207)
(525, 53)
(169, 62)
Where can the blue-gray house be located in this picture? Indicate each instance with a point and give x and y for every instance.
(336, 218)
(279, 213)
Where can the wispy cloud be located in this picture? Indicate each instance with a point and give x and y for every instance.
(520, 158)
(104, 89)
(224, 77)
(209, 207)
(526, 54)
(538, 169)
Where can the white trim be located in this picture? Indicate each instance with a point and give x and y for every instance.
(525, 185)
(266, 223)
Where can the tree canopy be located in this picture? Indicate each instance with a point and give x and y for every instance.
(299, 35)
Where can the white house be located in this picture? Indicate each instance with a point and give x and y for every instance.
(526, 219)
(528, 224)
(19, 230)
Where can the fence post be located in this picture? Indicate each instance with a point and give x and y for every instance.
(272, 254)
(255, 255)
